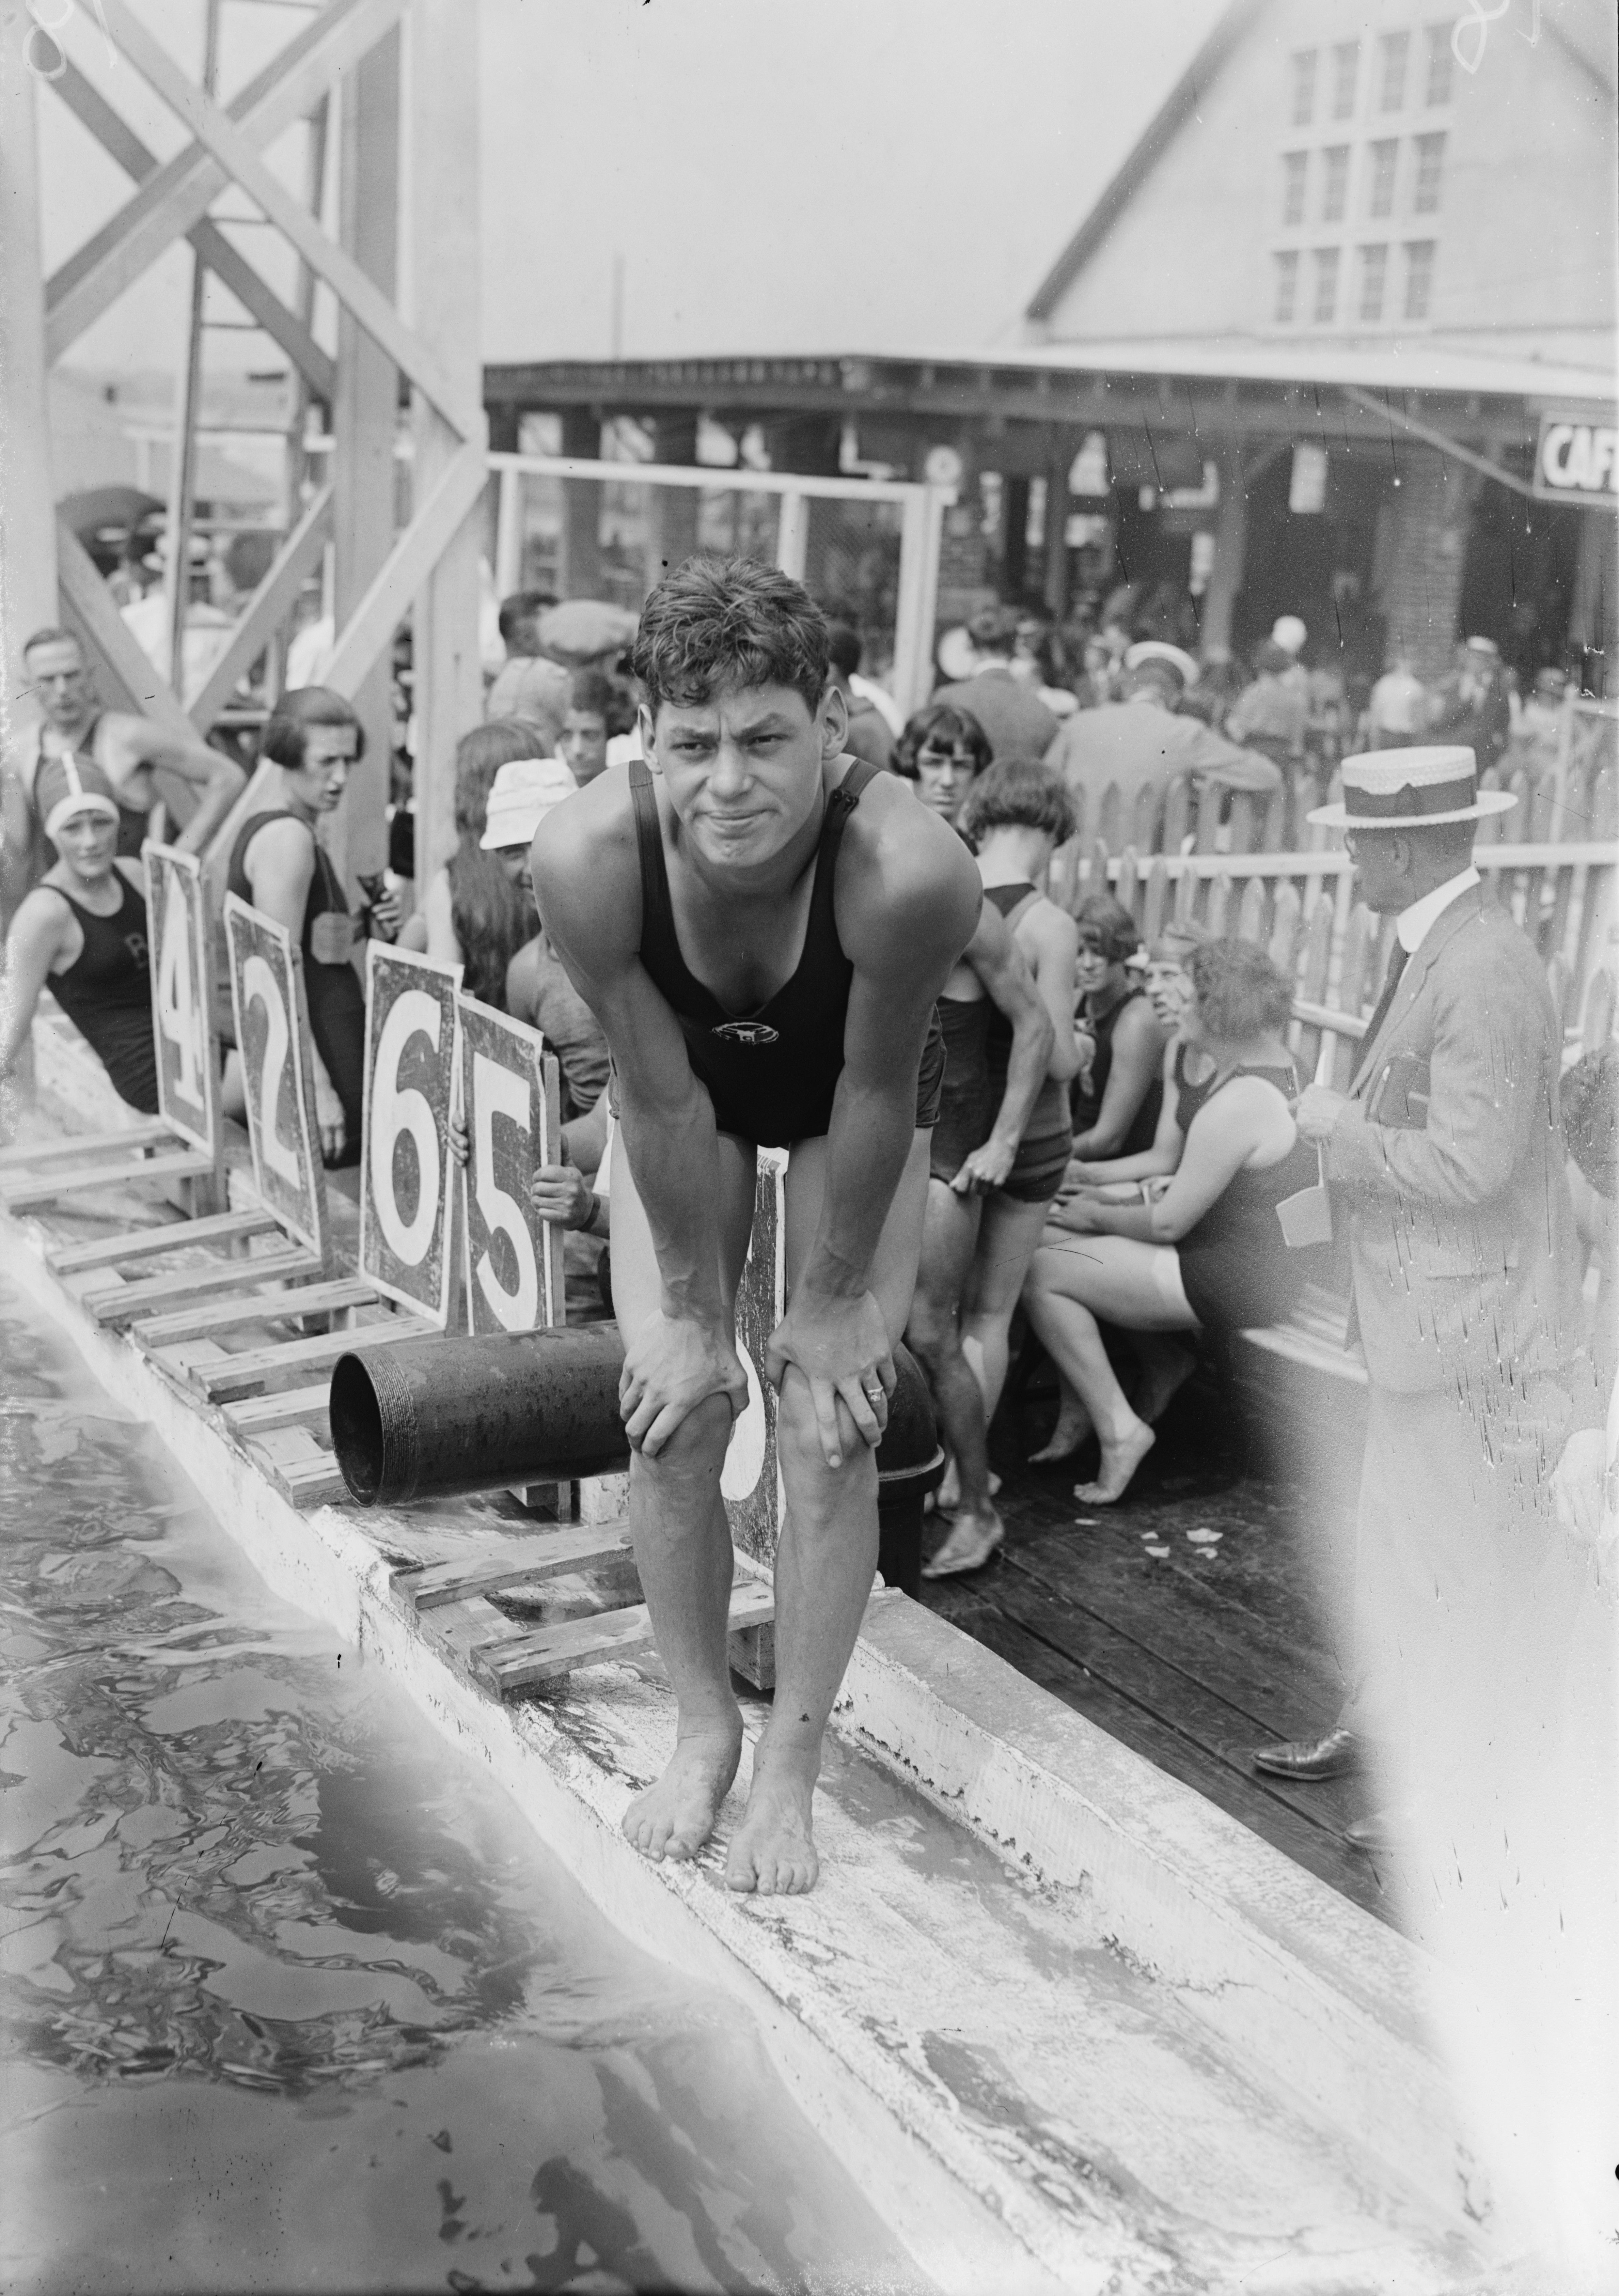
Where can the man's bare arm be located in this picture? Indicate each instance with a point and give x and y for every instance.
(586, 886)
(131, 743)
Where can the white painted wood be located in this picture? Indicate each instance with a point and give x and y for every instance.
(239, 1374)
(514, 1561)
(296, 1406)
(181, 1164)
(120, 1302)
(253, 1308)
(152, 1242)
(39, 1155)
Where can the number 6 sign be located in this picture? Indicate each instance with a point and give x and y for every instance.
(182, 995)
(513, 1258)
(405, 1167)
(272, 1034)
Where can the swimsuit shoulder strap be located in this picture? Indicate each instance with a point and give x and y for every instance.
(660, 949)
(840, 806)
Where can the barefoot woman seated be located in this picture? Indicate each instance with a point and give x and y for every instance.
(1202, 1250)
(761, 925)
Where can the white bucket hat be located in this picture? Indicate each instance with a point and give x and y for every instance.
(524, 792)
(1411, 789)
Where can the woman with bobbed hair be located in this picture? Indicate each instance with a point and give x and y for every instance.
(1199, 1251)
(472, 913)
(1117, 1098)
(943, 749)
(312, 740)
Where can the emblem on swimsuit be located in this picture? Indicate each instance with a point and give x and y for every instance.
(746, 1032)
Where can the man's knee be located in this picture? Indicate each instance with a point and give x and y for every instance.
(697, 1446)
(798, 1432)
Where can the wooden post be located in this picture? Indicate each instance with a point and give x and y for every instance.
(27, 529)
(581, 569)
(364, 421)
(1230, 546)
(1056, 532)
(672, 522)
(445, 310)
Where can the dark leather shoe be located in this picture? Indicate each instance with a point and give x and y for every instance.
(1305, 1761)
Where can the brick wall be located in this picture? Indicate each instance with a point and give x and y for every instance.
(1423, 586)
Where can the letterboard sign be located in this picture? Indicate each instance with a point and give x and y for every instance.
(181, 952)
(750, 1480)
(510, 1099)
(1577, 463)
(404, 1166)
(272, 1036)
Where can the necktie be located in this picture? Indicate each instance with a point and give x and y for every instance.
(1397, 960)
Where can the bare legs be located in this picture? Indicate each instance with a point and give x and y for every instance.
(950, 1233)
(1072, 1282)
(826, 1558)
(682, 1540)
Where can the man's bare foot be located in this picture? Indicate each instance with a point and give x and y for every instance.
(1167, 1369)
(1120, 1460)
(1073, 1425)
(674, 1818)
(972, 1539)
(772, 1851)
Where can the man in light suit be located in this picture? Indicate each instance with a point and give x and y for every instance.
(1446, 1168)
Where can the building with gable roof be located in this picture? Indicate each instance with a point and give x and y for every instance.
(1337, 340)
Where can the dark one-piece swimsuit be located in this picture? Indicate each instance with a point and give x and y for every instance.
(1048, 1137)
(772, 1074)
(337, 1002)
(1237, 1269)
(106, 992)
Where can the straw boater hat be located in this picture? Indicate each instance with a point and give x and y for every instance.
(67, 785)
(522, 794)
(1411, 789)
(1147, 650)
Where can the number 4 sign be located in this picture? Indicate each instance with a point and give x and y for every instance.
(508, 1092)
(410, 1067)
(272, 1034)
(182, 995)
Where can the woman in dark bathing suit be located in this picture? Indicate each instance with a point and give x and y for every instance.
(279, 864)
(1207, 1252)
(82, 933)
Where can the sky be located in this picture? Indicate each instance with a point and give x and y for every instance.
(856, 175)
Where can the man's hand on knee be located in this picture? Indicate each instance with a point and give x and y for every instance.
(842, 1346)
(671, 1365)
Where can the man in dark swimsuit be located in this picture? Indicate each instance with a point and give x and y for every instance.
(762, 930)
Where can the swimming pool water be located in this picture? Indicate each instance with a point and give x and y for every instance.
(293, 1998)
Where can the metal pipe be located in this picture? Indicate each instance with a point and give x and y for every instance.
(438, 1416)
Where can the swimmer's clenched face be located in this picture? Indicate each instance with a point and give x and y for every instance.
(744, 768)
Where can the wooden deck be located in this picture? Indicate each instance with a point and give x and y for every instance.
(1193, 1649)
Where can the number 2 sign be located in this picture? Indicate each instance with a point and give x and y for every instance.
(509, 1092)
(182, 995)
(410, 1067)
(272, 1034)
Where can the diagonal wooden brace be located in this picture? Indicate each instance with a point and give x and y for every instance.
(180, 193)
(234, 150)
(267, 609)
(93, 111)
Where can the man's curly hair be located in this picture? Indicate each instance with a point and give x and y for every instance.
(729, 621)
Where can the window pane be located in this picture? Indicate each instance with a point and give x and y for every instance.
(1335, 189)
(1374, 271)
(1287, 287)
(1430, 161)
(1294, 165)
(1419, 277)
(1345, 72)
(1393, 49)
(1441, 63)
(1303, 87)
(1381, 200)
(1325, 284)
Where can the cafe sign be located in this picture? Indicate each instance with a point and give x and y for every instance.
(1576, 462)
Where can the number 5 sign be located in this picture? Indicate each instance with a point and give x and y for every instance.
(509, 1092)
(272, 1034)
(182, 995)
(410, 1066)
